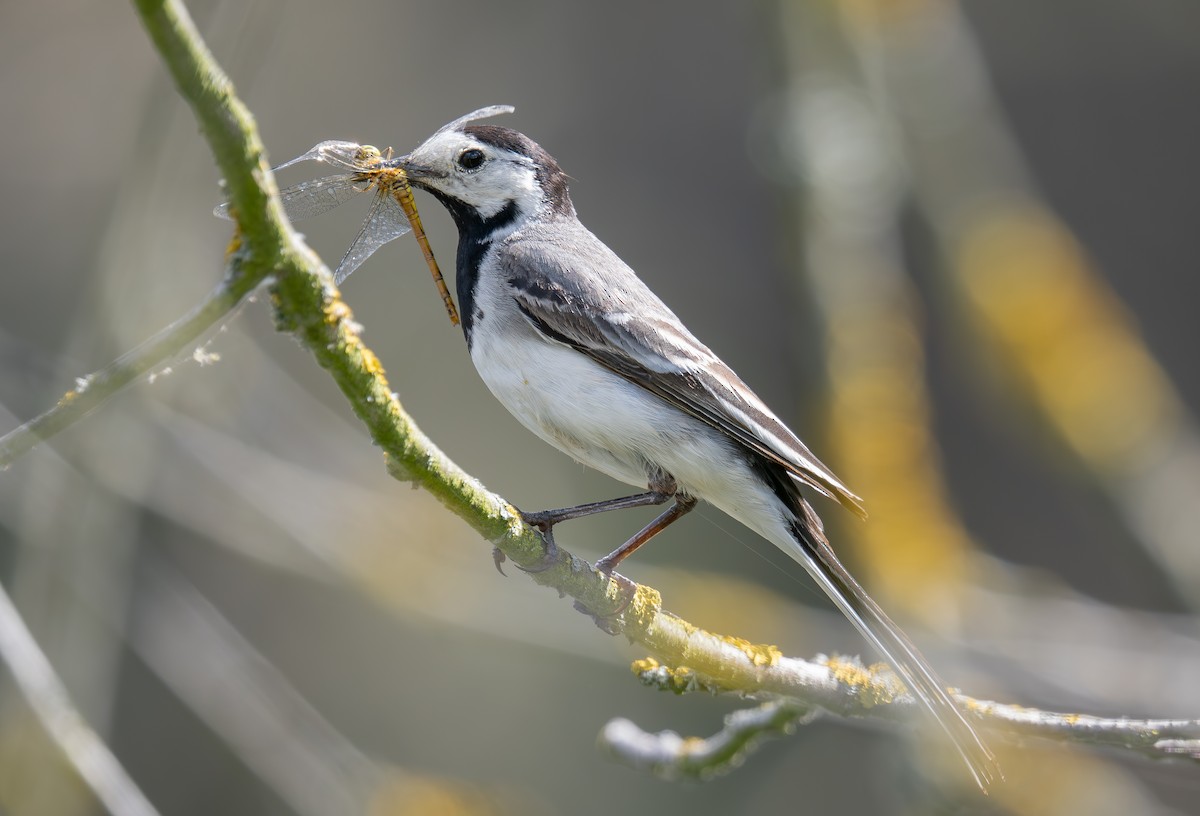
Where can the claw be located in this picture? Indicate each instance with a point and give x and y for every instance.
(499, 557)
(550, 553)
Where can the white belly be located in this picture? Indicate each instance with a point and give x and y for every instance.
(616, 427)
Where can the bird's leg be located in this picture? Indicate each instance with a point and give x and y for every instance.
(662, 488)
(683, 504)
(546, 519)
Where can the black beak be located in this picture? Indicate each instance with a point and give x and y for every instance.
(416, 173)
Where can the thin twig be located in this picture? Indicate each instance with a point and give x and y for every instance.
(93, 390)
(1154, 738)
(668, 755)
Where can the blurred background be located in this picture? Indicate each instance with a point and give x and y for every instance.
(951, 244)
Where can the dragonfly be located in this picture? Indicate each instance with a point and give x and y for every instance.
(393, 211)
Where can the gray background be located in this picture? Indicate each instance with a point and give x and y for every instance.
(249, 479)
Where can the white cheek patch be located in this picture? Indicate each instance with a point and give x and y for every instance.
(498, 182)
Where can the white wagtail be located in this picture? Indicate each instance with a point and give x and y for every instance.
(588, 358)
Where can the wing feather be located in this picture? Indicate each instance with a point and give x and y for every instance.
(649, 346)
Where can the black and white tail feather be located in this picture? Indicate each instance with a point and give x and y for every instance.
(812, 550)
(572, 342)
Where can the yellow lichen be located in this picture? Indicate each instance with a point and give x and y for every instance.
(337, 311)
(649, 598)
(873, 685)
(371, 364)
(639, 611)
(646, 664)
(759, 654)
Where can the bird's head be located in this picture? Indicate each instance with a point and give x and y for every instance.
(482, 172)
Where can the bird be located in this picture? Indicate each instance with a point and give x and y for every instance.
(571, 341)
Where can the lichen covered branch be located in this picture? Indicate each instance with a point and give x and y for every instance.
(799, 690)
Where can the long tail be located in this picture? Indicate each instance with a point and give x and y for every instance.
(813, 552)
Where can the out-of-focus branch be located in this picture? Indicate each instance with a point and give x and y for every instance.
(264, 719)
(246, 702)
(840, 135)
(50, 702)
(1028, 288)
(1050, 641)
(915, 550)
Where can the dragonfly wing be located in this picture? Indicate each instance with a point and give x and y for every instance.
(386, 222)
(351, 155)
(482, 113)
(317, 196)
(311, 198)
(321, 195)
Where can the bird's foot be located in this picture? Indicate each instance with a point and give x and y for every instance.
(543, 519)
(550, 552)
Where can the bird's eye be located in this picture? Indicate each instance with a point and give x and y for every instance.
(470, 159)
